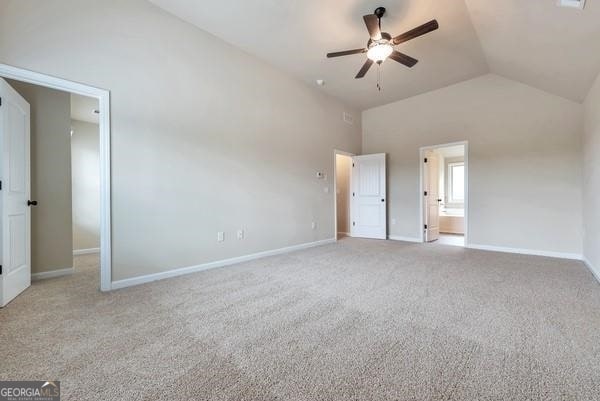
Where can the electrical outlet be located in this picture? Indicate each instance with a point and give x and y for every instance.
(220, 236)
(240, 234)
(313, 225)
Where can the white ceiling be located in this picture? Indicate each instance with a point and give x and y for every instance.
(553, 48)
(535, 42)
(82, 108)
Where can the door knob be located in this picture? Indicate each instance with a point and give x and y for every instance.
(31, 203)
(383, 200)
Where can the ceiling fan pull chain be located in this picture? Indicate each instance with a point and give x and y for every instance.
(379, 77)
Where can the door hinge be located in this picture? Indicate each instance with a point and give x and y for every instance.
(352, 164)
(426, 226)
(0, 185)
(352, 193)
(425, 160)
(425, 193)
(353, 223)
(0, 270)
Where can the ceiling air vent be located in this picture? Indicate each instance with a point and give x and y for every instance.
(572, 3)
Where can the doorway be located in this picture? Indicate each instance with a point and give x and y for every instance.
(342, 190)
(363, 207)
(444, 193)
(101, 110)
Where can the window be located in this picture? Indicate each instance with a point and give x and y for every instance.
(456, 183)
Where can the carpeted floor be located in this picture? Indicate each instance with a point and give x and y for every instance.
(358, 320)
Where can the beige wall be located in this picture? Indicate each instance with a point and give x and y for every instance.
(205, 137)
(591, 178)
(343, 166)
(51, 230)
(524, 160)
(85, 179)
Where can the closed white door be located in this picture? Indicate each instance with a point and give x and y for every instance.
(431, 196)
(14, 175)
(369, 197)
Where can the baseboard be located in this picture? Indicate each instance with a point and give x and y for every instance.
(52, 274)
(344, 234)
(129, 282)
(405, 239)
(591, 268)
(88, 251)
(560, 255)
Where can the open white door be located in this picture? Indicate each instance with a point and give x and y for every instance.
(431, 196)
(369, 197)
(15, 251)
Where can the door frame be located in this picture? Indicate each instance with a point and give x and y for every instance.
(422, 151)
(335, 153)
(103, 96)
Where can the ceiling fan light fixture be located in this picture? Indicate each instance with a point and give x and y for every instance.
(380, 51)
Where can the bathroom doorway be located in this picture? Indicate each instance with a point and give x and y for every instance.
(444, 193)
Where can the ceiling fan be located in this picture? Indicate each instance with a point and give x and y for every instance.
(381, 44)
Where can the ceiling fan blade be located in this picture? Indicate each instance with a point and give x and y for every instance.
(403, 59)
(364, 68)
(418, 31)
(372, 23)
(346, 53)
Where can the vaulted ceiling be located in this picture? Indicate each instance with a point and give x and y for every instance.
(534, 42)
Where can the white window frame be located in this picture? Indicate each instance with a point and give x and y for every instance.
(450, 202)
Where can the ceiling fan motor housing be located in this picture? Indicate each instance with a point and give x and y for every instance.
(379, 12)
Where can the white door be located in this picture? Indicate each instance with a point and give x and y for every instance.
(369, 197)
(15, 251)
(431, 196)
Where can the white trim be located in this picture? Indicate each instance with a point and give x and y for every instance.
(103, 97)
(551, 254)
(339, 152)
(77, 252)
(405, 239)
(52, 274)
(594, 272)
(422, 151)
(212, 265)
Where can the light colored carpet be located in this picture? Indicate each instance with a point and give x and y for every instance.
(358, 320)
